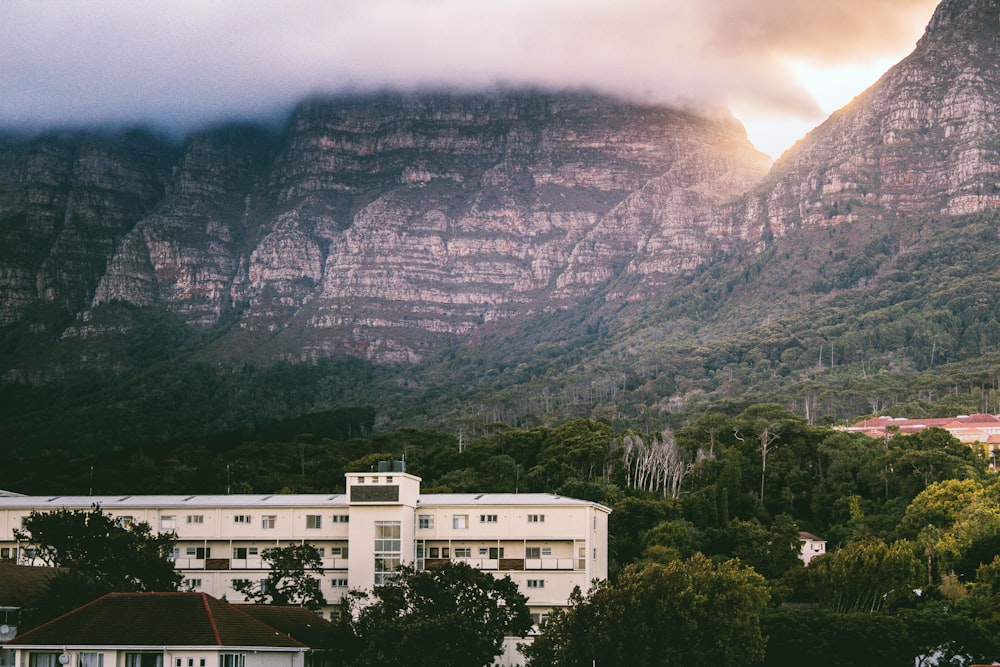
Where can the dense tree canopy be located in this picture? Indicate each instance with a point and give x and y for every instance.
(689, 612)
(449, 616)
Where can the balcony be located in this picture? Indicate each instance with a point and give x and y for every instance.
(513, 564)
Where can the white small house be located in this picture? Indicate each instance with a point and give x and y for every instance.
(812, 546)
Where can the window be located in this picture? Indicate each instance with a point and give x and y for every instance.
(192, 583)
(338, 552)
(168, 522)
(175, 553)
(433, 552)
(483, 551)
(251, 551)
(241, 582)
(341, 518)
(546, 551)
(532, 552)
(496, 553)
(314, 521)
(191, 518)
(199, 552)
(125, 521)
(338, 583)
(5, 553)
(41, 659)
(240, 553)
(539, 618)
(321, 551)
(242, 518)
(230, 660)
(388, 480)
(267, 521)
(463, 552)
(425, 521)
(444, 552)
(361, 480)
(536, 583)
(460, 521)
(487, 518)
(388, 554)
(536, 518)
(143, 660)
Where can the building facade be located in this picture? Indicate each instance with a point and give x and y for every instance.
(547, 544)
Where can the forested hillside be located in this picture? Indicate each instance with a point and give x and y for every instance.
(911, 522)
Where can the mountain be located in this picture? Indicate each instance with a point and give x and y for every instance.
(386, 227)
(522, 257)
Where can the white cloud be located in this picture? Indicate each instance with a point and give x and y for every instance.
(186, 62)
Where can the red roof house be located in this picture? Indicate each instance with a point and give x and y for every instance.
(157, 630)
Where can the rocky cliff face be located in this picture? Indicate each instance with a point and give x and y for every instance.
(390, 227)
(65, 202)
(383, 227)
(922, 140)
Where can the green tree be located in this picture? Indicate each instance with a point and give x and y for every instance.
(680, 613)
(770, 550)
(866, 576)
(449, 616)
(835, 640)
(929, 456)
(292, 580)
(114, 554)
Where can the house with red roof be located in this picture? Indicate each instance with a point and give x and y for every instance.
(160, 630)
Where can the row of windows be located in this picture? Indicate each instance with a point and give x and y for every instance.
(267, 521)
(492, 553)
(389, 544)
(242, 553)
(461, 521)
(52, 659)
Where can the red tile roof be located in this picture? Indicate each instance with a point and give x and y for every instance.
(156, 619)
(298, 622)
(21, 585)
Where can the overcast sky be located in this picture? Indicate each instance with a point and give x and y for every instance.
(780, 65)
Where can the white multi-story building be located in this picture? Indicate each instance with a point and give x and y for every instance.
(548, 544)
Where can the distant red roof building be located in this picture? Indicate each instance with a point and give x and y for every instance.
(965, 428)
